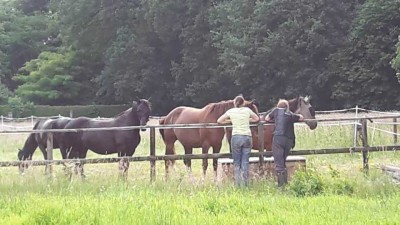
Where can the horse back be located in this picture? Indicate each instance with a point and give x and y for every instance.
(192, 137)
(103, 141)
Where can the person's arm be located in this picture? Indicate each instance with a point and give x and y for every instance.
(270, 116)
(298, 118)
(224, 119)
(254, 118)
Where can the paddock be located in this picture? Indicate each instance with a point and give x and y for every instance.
(359, 124)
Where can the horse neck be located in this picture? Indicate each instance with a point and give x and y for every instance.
(294, 104)
(128, 117)
(30, 145)
(217, 109)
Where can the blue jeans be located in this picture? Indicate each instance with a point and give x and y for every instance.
(241, 147)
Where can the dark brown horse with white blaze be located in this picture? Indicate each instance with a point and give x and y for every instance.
(123, 142)
(197, 137)
(300, 105)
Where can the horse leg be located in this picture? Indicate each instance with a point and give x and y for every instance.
(123, 166)
(44, 152)
(205, 148)
(65, 154)
(188, 163)
(216, 149)
(82, 155)
(169, 150)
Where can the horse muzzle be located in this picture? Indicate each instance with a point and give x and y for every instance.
(143, 123)
(312, 124)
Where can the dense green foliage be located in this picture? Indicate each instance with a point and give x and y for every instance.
(188, 52)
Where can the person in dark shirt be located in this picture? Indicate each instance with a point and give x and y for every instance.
(284, 137)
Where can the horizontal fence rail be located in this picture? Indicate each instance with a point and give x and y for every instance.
(187, 126)
(199, 156)
(152, 158)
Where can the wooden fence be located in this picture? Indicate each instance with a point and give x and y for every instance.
(152, 158)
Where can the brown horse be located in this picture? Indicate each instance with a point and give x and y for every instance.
(197, 137)
(299, 105)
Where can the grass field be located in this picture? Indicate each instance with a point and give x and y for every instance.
(333, 190)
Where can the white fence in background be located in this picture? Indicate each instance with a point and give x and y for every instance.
(26, 123)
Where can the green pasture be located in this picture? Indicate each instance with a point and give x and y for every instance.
(333, 189)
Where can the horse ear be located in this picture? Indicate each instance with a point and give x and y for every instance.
(307, 99)
(134, 104)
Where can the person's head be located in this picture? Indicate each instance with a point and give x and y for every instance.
(238, 101)
(282, 103)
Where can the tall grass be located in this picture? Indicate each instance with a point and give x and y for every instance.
(97, 201)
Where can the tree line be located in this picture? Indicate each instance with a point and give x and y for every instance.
(191, 52)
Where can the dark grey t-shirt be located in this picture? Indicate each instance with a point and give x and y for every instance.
(284, 122)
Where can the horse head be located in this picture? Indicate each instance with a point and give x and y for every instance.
(253, 105)
(143, 110)
(305, 108)
(23, 156)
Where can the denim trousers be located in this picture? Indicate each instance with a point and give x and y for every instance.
(241, 147)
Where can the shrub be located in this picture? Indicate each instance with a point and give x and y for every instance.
(20, 108)
(306, 183)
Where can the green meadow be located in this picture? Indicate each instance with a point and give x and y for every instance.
(332, 190)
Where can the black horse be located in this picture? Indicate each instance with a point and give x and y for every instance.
(35, 140)
(123, 142)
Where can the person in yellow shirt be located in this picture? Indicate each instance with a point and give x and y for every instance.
(241, 141)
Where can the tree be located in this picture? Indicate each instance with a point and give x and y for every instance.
(22, 38)
(396, 60)
(279, 48)
(48, 80)
(363, 72)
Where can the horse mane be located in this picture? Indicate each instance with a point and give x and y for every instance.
(294, 103)
(123, 113)
(130, 108)
(218, 108)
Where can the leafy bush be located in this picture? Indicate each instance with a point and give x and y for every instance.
(20, 108)
(306, 183)
(342, 187)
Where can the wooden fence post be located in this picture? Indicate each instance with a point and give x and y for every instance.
(152, 154)
(355, 128)
(365, 145)
(49, 168)
(260, 128)
(395, 130)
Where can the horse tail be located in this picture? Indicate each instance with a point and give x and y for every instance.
(162, 122)
(35, 127)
